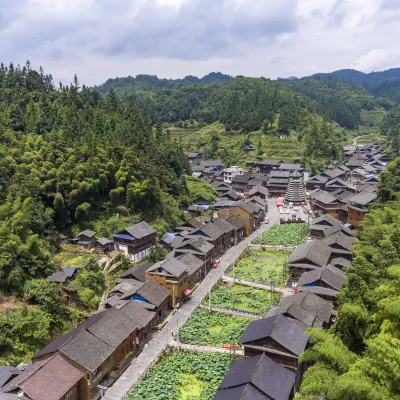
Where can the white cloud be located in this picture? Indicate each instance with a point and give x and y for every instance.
(98, 39)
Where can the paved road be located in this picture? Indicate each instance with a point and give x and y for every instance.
(157, 345)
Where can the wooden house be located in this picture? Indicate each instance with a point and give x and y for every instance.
(171, 274)
(196, 268)
(328, 276)
(86, 240)
(104, 245)
(280, 338)
(56, 379)
(258, 378)
(358, 206)
(135, 241)
(213, 234)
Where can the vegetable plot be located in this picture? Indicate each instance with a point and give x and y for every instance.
(215, 328)
(243, 297)
(183, 375)
(268, 267)
(288, 234)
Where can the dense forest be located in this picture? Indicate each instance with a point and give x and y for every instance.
(359, 357)
(124, 86)
(72, 159)
(248, 103)
(381, 83)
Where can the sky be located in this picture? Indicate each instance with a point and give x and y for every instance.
(101, 39)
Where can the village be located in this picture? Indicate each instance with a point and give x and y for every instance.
(244, 276)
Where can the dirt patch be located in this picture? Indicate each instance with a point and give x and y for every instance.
(9, 303)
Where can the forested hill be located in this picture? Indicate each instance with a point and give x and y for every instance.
(72, 159)
(381, 83)
(246, 103)
(124, 86)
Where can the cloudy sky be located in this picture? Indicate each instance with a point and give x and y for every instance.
(99, 39)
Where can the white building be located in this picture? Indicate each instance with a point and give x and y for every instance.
(231, 172)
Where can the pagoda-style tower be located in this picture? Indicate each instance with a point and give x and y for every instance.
(295, 191)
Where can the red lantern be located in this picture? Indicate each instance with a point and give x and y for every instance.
(215, 265)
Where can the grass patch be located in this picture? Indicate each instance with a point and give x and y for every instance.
(71, 257)
(183, 375)
(263, 267)
(244, 298)
(287, 234)
(213, 328)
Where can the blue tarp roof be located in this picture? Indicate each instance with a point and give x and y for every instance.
(205, 206)
(168, 237)
(121, 236)
(69, 271)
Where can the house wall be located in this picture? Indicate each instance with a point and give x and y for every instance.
(246, 218)
(354, 217)
(176, 288)
(137, 249)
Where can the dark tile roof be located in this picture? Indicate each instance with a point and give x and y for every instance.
(269, 161)
(7, 373)
(224, 225)
(52, 381)
(279, 174)
(199, 244)
(195, 223)
(258, 189)
(172, 265)
(87, 232)
(315, 251)
(192, 262)
(339, 239)
(24, 374)
(317, 179)
(212, 230)
(194, 155)
(256, 378)
(340, 261)
(57, 277)
(113, 328)
(325, 219)
(103, 241)
(310, 302)
(363, 198)
(245, 177)
(236, 222)
(249, 207)
(329, 274)
(291, 167)
(232, 195)
(87, 350)
(326, 198)
(211, 163)
(126, 287)
(283, 330)
(153, 292)
(59, 342)
(318, 290)
(135, 312)
(137, 271)
(354, 162)
(295, 311)
(140, 230)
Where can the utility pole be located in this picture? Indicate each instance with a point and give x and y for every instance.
(209, 299)
(177, 328)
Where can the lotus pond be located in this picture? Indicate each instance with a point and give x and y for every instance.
(287, 234)
(183, 375)
(243, 297)
(215, 328)
(263, 267)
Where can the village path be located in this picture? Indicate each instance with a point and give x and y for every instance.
(206, 349)
(158, 344)
(284, 291)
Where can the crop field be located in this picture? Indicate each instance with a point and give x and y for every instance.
(263, 267)
(288, 234)
(71, 257)
(243, 298)
(215, 328)
(183, 375)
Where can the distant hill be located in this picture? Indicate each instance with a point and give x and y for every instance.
(152, 82)
(381, 83)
